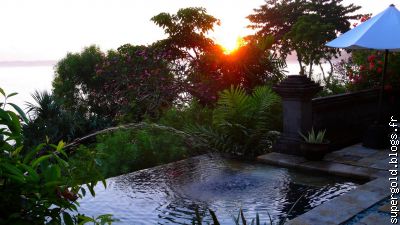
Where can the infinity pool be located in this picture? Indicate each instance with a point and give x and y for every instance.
(169, 194)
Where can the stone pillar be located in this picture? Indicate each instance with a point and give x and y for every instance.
(296, 92)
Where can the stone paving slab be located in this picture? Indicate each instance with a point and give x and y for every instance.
(375, 219)
(279, 159)
(343, 208)
(385, 208)
(382, 164)
(298, 162)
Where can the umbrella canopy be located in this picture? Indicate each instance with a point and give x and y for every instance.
(381, 32)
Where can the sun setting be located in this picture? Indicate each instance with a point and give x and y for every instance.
(229, 36)
(230, 44)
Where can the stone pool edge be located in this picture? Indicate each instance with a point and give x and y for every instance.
(343, 208)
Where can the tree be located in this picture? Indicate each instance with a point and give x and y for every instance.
(124, 84)
(75, 77)
(249, 66)
(303, 26)
(187, 31)
(202, 64)
(137, 82)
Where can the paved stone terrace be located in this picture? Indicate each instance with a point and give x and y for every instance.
(355, 207)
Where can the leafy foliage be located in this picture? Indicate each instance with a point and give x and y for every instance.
(242, 123)
(137, 83)
(122, 85)
(181, 118)
(125, 151)
(206, 69)
(365, 69)
(187, 31)
(75, 77)
(37, 186)
(51, 122)
(303, 26)
(249, 66)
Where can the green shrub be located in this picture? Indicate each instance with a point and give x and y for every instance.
(37, 186)
(125, 151)
(194, 113)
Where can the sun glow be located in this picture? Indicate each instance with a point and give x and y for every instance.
(230, 43)
(229, 35)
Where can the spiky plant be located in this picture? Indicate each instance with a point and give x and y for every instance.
(314, 137)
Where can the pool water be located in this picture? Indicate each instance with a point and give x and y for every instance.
(170, 194)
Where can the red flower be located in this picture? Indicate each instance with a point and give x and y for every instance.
(362, 67)
(364, 18)
(371, 58)
(371, 65)
(379, 70)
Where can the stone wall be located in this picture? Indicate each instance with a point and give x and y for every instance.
(346, 117)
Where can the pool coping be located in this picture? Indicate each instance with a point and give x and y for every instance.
(343, 208)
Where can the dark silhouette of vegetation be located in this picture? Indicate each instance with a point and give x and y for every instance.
(206, 68)
(303, 26)
(50, 121)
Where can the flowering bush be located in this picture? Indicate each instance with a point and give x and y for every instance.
(365, 70)
(137, 82)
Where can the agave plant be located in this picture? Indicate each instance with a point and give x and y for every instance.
(314, 137)
(243, 123)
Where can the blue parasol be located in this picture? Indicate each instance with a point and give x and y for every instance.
(381, 32)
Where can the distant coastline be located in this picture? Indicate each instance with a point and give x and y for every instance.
(28, 63)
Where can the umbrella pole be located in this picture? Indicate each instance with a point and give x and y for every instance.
(382, 87)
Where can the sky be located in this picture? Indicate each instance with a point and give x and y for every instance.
(47, 29)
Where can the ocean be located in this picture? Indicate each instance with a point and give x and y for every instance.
(25, 80)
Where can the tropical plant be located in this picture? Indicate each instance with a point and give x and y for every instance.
(50, 121)
(243, 124)
(37, 186)
(314, 137)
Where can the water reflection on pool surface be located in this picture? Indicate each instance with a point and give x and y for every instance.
(169, 194)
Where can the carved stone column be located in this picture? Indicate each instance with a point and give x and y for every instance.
(296, 92)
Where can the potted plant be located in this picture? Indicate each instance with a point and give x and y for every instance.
(315, 146)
